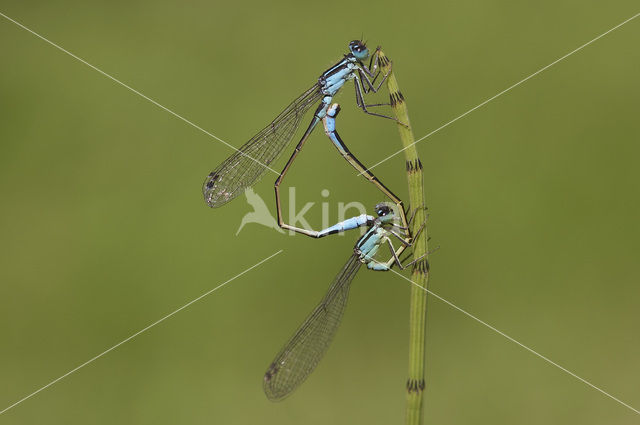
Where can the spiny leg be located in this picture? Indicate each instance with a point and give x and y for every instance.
(410, 253)
(360, 101)
(412, 216)
(422, 226)
(400, 238)
(371, 83)
(397, 253)
(363, 75)
(371, 105)
(396, 260)
(373, 72)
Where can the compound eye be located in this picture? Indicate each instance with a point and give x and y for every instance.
(382, 210)
(359, 50)
(357, 46)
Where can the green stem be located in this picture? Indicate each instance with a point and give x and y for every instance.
(420, 272)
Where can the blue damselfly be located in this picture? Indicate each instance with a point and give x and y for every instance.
(299, 357)
(244, 167)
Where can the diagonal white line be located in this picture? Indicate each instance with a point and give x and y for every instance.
(506, 90)
(109, 76)
(517, 342)
(138, 333)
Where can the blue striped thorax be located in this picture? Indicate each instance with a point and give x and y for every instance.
(367, 246)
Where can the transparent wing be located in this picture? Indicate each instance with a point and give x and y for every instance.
(247, 164)
(303, 352)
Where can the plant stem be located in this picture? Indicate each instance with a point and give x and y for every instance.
(420, 272)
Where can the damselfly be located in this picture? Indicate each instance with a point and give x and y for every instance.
(243, 168)
(299, 357)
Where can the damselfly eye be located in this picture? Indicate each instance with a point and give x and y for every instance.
(358, 49)
(382, 210)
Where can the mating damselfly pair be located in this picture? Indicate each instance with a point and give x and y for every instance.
(245, 167)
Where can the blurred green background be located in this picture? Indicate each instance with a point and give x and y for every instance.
(534, 199)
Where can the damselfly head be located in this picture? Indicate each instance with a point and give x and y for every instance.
(383, 210)
(359, 49)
